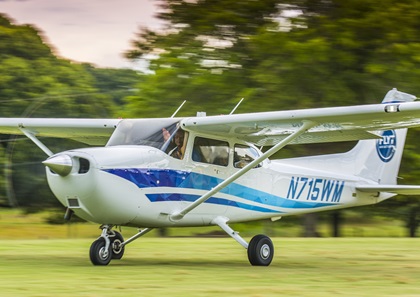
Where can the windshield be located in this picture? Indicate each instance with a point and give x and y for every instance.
(148, 132)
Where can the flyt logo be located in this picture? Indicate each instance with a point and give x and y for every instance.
(387, 145)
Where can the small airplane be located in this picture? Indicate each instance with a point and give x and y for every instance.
(207, 170)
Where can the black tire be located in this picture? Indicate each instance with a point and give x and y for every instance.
(116, 248)
(260, 250)
(98, 254)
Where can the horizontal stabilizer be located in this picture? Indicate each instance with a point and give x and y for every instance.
(396, 189)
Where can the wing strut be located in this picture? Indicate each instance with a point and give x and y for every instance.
(306, 125)
(32, 137)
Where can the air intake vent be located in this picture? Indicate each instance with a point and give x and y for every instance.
(84, 165)
(73, 203)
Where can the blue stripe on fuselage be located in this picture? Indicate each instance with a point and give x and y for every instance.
(152, 178)
(212, 200)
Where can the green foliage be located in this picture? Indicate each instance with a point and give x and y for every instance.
(115, 84)
(201, 56)
(331, 53)
(282, 55)
(35, 83)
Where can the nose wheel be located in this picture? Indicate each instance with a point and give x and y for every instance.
(99, 253)
(107, 247)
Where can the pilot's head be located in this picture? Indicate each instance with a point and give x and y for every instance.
(179, 137)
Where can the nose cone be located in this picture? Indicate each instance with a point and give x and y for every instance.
(60, 164)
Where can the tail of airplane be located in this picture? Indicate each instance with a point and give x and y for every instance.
(375, 159)
(379, 160)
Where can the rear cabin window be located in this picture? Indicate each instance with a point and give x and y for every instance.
(210, 151)
(243, 155)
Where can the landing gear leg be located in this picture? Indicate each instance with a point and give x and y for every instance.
(260, 249)
(222, 223)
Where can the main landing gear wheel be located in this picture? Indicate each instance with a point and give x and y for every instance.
(116, 245)
(260, 250)
(99, 254)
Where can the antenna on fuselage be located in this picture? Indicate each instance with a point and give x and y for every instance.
(237, 105)
(176, 111)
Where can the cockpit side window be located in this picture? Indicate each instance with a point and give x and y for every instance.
(243, 155)
(210, 151)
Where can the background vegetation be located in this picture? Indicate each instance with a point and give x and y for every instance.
(276, 54)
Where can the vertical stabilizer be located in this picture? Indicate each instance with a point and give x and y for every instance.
(379, 160)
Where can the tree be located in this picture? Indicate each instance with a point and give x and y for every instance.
(278, 55)
(201, 55)
(36, 83)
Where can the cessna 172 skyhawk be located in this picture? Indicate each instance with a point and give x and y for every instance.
(201, 171)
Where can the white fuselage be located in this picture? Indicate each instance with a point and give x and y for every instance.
(141, 186)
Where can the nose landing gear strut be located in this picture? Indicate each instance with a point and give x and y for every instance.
(107, 247)
(110, 245)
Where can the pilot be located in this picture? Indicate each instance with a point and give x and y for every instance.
(178, 151)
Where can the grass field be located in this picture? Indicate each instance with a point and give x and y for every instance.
(37, 259)
(213, 267)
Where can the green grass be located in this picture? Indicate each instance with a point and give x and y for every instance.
(213, 267)
(16, 225)
(53, 260)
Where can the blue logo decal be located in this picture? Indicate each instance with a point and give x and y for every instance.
(387, 145)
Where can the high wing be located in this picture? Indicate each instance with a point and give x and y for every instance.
(332, 124)
(263, 129)
(89, 131)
